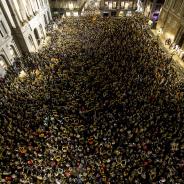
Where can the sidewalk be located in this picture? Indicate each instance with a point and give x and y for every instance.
(177, 63)
(167, 49)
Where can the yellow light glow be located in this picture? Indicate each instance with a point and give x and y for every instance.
(71, 7)
(110, 5)
(148, 8)
(126, 5)
(22, 74)
(75, 14)
(68, 14)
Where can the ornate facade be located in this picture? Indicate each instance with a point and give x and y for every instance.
(67, 7)
(22, 27)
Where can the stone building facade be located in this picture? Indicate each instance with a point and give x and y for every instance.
(67, 7)
(171, 22)
(22, 28)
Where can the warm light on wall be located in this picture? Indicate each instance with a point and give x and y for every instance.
(126, 5)
(169, 35)
(121, 13)
(110, 5)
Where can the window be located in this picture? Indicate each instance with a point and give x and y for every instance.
(41, 30)
(37, 4)
(12, 51)
(31, 42)
(114, 5)
(169, 20)
(3, 29)
(41, 2)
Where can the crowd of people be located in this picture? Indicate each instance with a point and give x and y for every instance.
(99, 104)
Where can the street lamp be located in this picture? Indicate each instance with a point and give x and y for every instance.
(71, 7)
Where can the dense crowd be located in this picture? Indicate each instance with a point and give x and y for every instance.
(99, 104)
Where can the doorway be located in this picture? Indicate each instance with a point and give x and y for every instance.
(37, 36)
(105, 14)
(3, 66)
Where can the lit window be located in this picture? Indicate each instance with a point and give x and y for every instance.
(31, 42)
(114, 4)
(68, 14)
(75, 14)
(126, 5)
(122, 4)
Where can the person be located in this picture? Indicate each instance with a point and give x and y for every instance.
(168, 41)
(101, 103)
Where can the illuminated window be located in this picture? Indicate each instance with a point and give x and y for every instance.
(41, 30)
(75, 14)
(12, 51)
(122, 4)
(68, 14)
(114, 5)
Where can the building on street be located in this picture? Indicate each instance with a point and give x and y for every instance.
(171, 22)
(22, 28)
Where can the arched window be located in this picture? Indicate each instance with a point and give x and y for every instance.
(3, 65)
(37, 36)
(41, 30)
(13, 52)
(31, 42)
